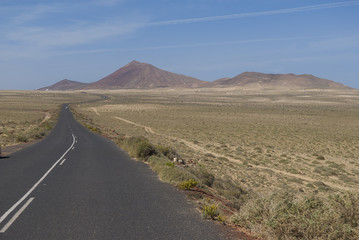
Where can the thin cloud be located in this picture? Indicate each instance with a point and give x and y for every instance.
(107, 2)
(49, 40)
(193, 45)
(48, 37)
(42, 42)
(255, 14)
(27, 13)
(339, 43)
(19, 30)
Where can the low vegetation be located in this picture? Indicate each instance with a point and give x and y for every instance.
(275, 162)
(283, 164)
(210, 211)
(167, 172)
(138, 147)
(27, 116)
(93, 128)
(186, 185)
(286, 215)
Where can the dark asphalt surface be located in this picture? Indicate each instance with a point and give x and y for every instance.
(97, 193)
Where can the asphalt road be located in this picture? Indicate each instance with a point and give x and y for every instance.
(77, 185)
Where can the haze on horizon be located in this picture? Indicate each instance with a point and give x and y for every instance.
(45, 41)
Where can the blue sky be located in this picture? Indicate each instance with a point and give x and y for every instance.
(42, 42)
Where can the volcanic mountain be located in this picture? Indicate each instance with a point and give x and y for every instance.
(254, 80)
(65, 85)
(137, 75)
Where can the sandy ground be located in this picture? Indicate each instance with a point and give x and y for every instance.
(204, 151)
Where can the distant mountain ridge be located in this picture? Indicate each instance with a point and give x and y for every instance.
(279, 81)
(137, 75)
(65, 85)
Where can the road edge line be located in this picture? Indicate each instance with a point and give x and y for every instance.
(36, 184)
(17, 214)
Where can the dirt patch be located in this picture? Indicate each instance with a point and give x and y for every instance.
(147, 129)
(95, 110)
(46, 118)
(128, 107)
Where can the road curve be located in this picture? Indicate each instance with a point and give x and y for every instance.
(78, 185)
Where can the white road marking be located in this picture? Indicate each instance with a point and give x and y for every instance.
(36, 184)
(17, 214)
(62, 161)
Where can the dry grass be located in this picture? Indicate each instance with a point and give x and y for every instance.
(261, 140)
(303, 143)
(281, 215)
(29, 115)
(240, 146)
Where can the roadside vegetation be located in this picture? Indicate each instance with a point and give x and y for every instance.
(283, 164)
(27, 116)
(278, 215)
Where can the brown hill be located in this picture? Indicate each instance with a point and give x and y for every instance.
(278, 81)
(65, 85)
(137, 75)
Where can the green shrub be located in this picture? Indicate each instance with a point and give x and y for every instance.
(231, 191)
(144, 150)
(326, 171)
(322, 186)
(174, 175)
(22, 138)
(210, 211)
(310, 185)
(138, 147)
(48, 125)
(205, 177)
(222, 219)
(188, 184)
(170, 164)
(39, 135)
(210, 155)
(167, 151)
(93, 128)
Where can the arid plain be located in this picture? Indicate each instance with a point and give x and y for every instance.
(27, 116)
(281, 163)
(262, 140)
(253, 143)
